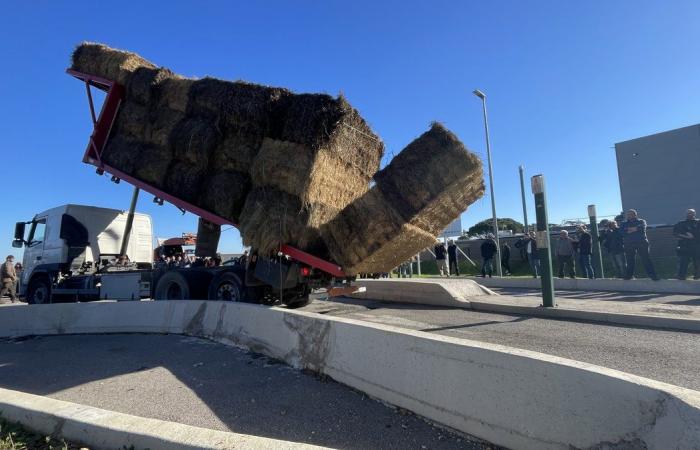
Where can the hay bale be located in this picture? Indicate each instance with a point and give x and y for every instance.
(193, 140)
(144, 84)
(270, 218)
(153, 165)
(320, 121)
(174, 93)
(433, 180)
(313, 176)
(236, 151)
(235, 104)
(161, 126)
(224, 193)
(184, 180)
(122, 152)
(131, 120)
(106, 62)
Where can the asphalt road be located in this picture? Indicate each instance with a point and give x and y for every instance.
(201, 383)
(606, 296)
(669, 356)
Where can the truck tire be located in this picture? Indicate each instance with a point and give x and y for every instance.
(39, 291)
(172, 286)
(298, 302)
(226, 286)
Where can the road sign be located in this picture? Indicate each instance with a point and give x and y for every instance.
(454, 229)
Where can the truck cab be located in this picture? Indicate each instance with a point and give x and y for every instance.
(68, 247)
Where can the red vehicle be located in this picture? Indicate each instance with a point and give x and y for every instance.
(288, 277)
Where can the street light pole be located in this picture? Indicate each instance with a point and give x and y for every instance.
(595, 235)
(522, 194)
(482, 96)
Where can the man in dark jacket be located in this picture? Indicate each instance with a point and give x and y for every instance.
(565, 251)
(585, 250)
(612, 242)
(488, 249)
(688, 234)
(505, 258)
(440, 255)
(635, 240)
(452, 256)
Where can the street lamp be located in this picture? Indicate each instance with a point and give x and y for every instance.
(482, 96)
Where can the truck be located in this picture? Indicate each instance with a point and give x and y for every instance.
(76, 252)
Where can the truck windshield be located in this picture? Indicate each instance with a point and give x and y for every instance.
(36, 235)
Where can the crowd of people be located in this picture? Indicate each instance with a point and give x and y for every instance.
(186, 260)
(622, 240)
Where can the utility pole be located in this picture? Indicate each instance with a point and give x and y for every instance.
(543, 241)
(597, 254)
(521, 169)
(482, 96)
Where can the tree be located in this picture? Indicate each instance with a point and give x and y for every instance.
(486, 226)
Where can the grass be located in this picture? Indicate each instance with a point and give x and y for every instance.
(14, 437)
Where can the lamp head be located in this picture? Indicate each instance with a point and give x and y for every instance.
(479, 94)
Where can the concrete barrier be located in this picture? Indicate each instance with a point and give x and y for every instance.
(515, 398)
(104, 429)
(444, 292)
(690, 287)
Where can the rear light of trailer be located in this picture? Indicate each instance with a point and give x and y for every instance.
(305, 271)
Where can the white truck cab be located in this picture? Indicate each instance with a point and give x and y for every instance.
(68, 248)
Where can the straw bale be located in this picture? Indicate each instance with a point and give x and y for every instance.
(320, 121)
(106, 62)
(153, 164)
(271, 217)
(236, 151)
(161, 126)
(433, 180)
(193, 140)
(184, 180)
(174, 93)
(122, 152)
(313, 176)
(144, 84)
(224, 193)
(132, 120)
(402, 246)
(234, 103)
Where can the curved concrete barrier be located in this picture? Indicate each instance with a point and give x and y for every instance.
(443, 292)
(515, 398)
(104, 429)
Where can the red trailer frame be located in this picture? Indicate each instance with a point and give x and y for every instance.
(102, 126)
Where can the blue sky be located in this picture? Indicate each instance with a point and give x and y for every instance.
(565, 81)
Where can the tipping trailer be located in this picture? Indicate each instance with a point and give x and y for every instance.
(289, 277)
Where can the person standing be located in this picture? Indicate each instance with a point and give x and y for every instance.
(533, 256)
(488, 250)
(612, 242)
(9, 278)
(634, 231)
(440, 255)
(452, 256)
(688, 234)
(585, 250)
(564, 249)
(505, 258)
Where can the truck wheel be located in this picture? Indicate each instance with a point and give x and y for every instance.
(225, 287)
(172, 286)
(297, 302)
(39, 291)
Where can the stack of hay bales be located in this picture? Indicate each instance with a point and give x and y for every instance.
(424, 188)
(287, 168)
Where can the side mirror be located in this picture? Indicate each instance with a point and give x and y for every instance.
(19, 232)
(17, 243)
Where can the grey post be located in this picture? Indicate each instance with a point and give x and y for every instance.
(482, 96)
(522, 194)
(597, 254)
(543, 241)
(129, 221)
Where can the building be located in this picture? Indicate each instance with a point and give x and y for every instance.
(659, 174)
